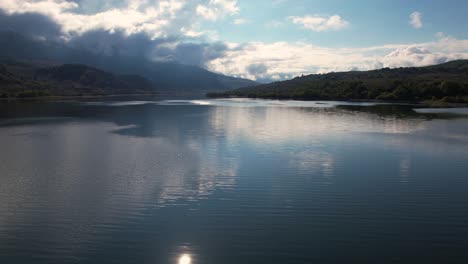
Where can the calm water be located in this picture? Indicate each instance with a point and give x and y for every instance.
(232, 181)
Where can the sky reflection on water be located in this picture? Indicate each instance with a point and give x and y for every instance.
(158, 182)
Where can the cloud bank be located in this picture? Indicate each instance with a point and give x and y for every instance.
(283, 60)
(156, 18)
(171, 30)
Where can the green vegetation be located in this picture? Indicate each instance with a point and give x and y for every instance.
(447, 82)
(23, 80)
(169, 77)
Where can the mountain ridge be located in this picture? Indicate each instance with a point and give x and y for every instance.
(163, 75)
(447, 81)
(23, 80)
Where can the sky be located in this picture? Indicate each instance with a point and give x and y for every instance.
(264, 40)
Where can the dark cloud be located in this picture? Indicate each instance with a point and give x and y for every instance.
(257, 69)
(31, 25)
(197, 54)
(140, 45)
(116, 43)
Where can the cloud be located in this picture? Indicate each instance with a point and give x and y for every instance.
(416, 20)
(140, 46)
(207, 13)
(285, 60)
(216, 9)
(164, 30)
(183, 48)
(170, 30)
(32, 25)
(257, 69)
(156, 18)
(132, 18)
(137, 45)
(240, 21)
(440, 35)
(411, 56)
(190, 53)
(318, 23)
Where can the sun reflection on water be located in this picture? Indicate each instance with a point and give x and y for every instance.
(185, 259)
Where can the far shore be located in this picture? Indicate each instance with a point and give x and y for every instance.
(426, 103)
(65, 97)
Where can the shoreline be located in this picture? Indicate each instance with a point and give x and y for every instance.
(64, 97)
(426, 103)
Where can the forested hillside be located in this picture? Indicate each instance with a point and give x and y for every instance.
(23, 80)
(446, 82)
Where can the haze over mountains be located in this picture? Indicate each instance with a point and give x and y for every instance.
(34, 54)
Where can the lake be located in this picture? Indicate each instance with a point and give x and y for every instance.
(232, 181)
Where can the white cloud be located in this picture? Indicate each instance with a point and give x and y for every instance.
(416, 20)
(191, 33)
(229, 6)
(157, 18)
(318, 23)
(207, 13)
(240, 21)
(440, 35)
(254, 60)
(215, 9)
(282, 60)
(132, 19)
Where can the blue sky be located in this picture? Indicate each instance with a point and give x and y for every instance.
(372, 22)
(270, 40)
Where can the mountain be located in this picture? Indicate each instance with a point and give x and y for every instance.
(91, 77)
(447, 82)
(24, 80)
(164, 76)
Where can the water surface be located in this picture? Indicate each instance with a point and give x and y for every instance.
(232, 181)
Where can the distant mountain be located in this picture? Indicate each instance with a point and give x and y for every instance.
(164, 76)
(92, 77)
(23, 80)
(447, 82)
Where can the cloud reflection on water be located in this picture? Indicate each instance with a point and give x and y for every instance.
(278, 125)
(117, 167)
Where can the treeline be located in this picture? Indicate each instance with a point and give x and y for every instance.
(23, 80)
(445, 82)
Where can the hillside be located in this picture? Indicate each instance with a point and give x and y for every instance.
(448, 82)
(23, 80)
(164, 75)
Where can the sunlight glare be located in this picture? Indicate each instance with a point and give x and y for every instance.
(185, 259)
